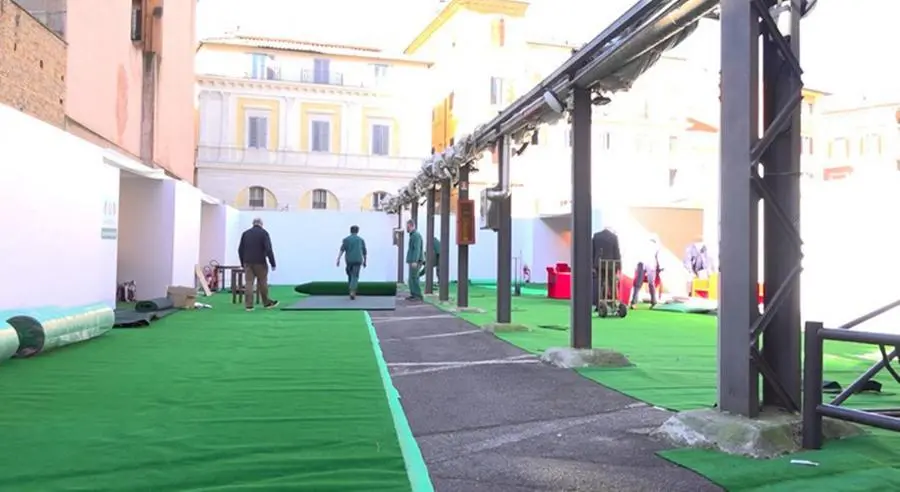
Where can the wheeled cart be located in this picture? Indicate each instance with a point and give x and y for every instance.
(608, 301)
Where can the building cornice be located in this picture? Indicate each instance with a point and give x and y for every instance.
(237, 83)
(306, 171)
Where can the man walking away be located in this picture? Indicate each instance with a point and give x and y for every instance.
(254, 249)
(353, 249)
(414, 257)
(607, 262)
(649, 265)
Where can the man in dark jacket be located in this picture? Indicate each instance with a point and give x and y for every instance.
(607, 261)
(254, 249)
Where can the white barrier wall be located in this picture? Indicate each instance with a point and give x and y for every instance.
(219, 232)
(306, 243)
(186, 231)
(57, 197)
(159, 234)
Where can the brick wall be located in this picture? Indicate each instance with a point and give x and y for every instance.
(32, 65)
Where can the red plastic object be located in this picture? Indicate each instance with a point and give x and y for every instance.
(559, 281)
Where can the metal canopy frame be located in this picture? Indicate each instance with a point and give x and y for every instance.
(753, 168)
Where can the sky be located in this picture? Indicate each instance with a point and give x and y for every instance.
(844, 49)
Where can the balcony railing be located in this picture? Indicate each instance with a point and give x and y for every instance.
(306, 77)
(298, 159)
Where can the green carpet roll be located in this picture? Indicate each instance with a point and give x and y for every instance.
(340, 289)
(48, 328)
(152, 305)
(9, 340)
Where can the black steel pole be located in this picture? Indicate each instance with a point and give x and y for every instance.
(462, 256)
(582, 264)
(429, 243)
(444, 266)
(812, 386)
(781, 345)
(401, 261)
(504, 238)
(414, 212)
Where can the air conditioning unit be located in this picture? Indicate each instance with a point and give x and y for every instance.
(137, 24)
(490, 213)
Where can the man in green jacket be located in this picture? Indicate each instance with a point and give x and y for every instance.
(436, 247)
(414, 257)
(353, 248)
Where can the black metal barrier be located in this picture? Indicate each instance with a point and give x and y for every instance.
(814, 409)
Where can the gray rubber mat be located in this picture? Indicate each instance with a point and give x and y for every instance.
(344, 303)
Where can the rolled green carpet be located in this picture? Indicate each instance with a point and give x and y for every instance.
(9, 339)
(47, 328)
(151, 305)
(340, 289)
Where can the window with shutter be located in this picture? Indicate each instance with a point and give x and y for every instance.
(496, 90)
(381, 138)
(257, 132)
(498, 33)
(321, 136)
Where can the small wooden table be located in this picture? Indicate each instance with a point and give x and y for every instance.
(238, 288)
(221, 273)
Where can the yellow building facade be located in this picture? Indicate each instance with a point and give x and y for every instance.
(291, 125)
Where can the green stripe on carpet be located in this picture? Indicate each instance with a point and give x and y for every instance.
(203, 400)
(675, 367)
(412, 455)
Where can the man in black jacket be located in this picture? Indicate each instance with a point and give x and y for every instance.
(607, 261)
(255, 248)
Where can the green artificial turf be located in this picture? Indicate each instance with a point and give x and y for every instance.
(216, 399)
(674, 357)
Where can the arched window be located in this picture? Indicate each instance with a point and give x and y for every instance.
(320, 199)
(257, 197)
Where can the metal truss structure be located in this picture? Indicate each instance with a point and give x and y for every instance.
(754, 168)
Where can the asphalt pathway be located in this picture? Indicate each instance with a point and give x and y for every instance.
(491, 417)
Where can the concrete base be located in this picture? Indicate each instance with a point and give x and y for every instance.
(571, 358)
(504, 327)
(772, 434)
(465, 310)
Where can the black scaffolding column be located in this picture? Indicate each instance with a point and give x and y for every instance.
(462, 255)
(504, 235)
(444, 266)
(742, 150)
(401, 260)
(582, 264)
(429, 243)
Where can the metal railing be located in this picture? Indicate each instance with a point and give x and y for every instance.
(814, 409)
(294, 158)
(305, 77)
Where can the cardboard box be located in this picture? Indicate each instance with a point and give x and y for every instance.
(182, 297)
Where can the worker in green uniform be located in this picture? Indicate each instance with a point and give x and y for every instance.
(436, 247)
(414, 257)
(353, 249)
